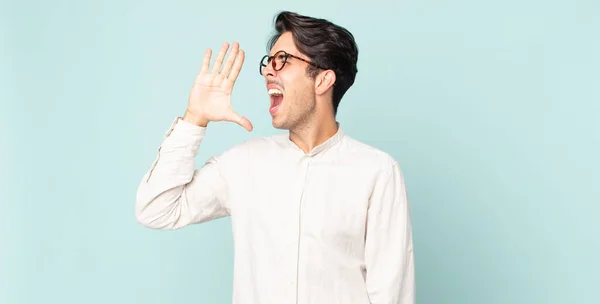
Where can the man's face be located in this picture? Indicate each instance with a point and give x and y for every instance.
(292, 95)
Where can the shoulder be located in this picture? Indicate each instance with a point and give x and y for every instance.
(370, 155)
(256, 147)
(261, 143)
(385, 170)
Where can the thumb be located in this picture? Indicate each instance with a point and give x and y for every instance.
(241, 120)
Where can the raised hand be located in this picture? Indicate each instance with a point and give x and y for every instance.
(210, 97)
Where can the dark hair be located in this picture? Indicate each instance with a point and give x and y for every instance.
(326, 44)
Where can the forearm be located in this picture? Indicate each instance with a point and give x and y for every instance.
(172, 193)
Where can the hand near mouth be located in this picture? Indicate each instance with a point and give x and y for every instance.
(210, 97)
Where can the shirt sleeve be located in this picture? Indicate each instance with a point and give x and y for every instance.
(173, 194)
(389, 259)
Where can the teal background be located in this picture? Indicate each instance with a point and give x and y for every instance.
(491, 107)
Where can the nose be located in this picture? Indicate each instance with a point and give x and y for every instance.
(268, 70)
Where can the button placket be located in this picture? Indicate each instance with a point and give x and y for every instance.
(303, 167)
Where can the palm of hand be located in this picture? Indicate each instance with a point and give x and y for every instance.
(215, 93)
(210, 97)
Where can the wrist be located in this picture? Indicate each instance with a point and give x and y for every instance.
(194, 119)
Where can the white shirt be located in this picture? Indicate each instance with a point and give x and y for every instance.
(331, 226)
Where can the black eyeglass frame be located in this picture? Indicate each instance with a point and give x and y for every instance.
(286, 55)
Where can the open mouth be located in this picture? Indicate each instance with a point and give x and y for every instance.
(276, 100)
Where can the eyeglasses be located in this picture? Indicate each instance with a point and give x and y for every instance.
(278, 61)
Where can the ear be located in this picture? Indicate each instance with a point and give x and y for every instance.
(325, 80)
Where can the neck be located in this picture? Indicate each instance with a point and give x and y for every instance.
(314, 132)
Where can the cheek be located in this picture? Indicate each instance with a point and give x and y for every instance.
(299, 90)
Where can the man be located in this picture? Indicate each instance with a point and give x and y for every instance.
(317, 216)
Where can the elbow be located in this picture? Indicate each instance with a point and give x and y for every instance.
(156, 220)
(143, 216)
(156, 212)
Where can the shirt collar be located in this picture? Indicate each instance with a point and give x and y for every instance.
(332, 141)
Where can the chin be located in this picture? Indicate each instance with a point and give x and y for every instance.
(278, 123)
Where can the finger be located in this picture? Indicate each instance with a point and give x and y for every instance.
(219, 60)
(237, 67)
(206, 61)
(241, 120)
(230, 59)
